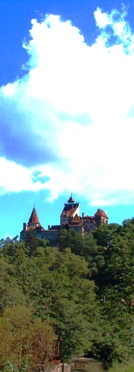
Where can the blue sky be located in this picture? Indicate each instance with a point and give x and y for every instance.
(66, 109)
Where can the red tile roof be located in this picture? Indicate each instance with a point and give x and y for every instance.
(100, 212)
(33, 218)
(76, 218)
(69, 212)
(33, 228)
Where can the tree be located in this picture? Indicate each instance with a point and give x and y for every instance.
(63, 239)
(74, 306)
(25, 339)
(10, 292)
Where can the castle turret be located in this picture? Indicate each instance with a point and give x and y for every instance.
(70, 210)
(32, 225)
(100, 217)
(33, 220)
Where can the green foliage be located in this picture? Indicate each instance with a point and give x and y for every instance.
(122, 368)
(85, 288)
(25, 340)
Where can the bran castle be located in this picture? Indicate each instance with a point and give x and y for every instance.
(69, 220)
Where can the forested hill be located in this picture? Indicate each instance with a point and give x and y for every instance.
(82, 292)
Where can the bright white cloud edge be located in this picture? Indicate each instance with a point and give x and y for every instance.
(66, 82)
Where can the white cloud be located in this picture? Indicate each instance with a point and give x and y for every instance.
(70, 117)
(15, 178)
(102, 19)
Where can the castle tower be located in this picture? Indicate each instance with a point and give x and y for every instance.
(100, 217)
(32, 225)
(33, 220)
(70, 210)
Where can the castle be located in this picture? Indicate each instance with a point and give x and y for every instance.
(69, 220)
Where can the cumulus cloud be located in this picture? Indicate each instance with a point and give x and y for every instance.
(67, 125)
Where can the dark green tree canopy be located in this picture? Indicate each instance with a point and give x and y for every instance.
(84, 290)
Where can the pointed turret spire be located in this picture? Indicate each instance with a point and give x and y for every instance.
(70, 200)
(33, 218)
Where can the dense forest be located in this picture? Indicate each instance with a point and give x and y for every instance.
(81, 292)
